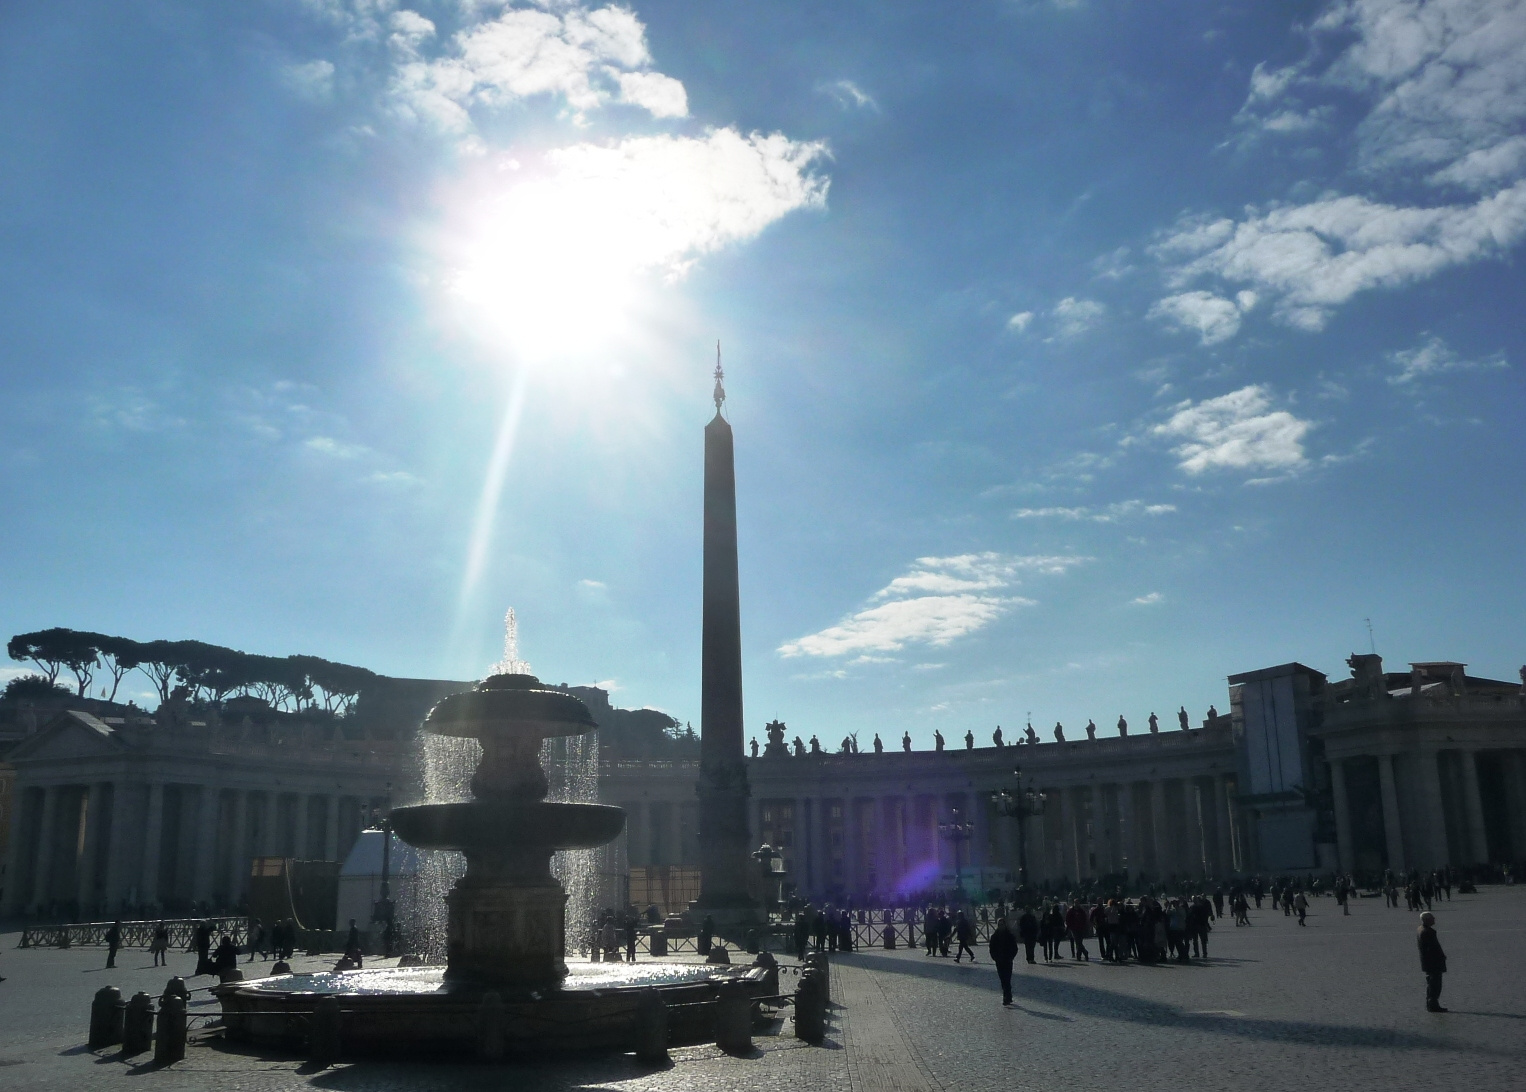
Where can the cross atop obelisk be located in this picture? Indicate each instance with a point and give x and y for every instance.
(723, 789)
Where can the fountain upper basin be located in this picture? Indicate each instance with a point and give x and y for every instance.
(484, 824)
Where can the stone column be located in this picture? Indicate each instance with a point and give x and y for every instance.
(1433, 832)
(331, 831)
(852, 855)
(203, 882)
(238, 850)
(1197, 825)
(1343, 847)
(1223, 844)
(1067, 822)
(1128, 830)
(1393, 832)
(119, 836)
(42, 873)
(1515, 800)
(1478, 834)
(84, 872)
(1165, 859)
(148, 880)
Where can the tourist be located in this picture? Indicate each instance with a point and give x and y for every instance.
(1028, 930)
(1075, 925)
(256, 937)
(113, 942)
(630, 935)
(1003, 949)
(159, 947)
(930, 930)
(201, 942)
(706, 932)
(1433, 961)
(225, 960)
(1301, 906)
(964, 930)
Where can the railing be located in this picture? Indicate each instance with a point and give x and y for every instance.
(134, 934)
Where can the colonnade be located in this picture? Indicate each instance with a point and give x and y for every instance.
(868, 844)
(101, 844)
(1428, 808)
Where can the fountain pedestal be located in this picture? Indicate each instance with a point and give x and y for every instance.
(503, 934)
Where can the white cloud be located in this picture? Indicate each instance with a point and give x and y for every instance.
(592, 585)
(1212, 317)
(850, 95)
(1148, 600)
(586, 58)
(336, 449)
(1020, 321)
(395, 478)
(1434, 356)
(1313, 257)
(1111, 513)
(1236, 431)
(312, 80)
(939, 600)
(1442, 89)
(1075, 316)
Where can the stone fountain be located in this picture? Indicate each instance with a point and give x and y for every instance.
(507, 914)
(506, 986)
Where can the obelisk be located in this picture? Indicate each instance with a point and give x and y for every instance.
(723, 834)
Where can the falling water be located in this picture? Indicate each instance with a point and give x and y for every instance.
(572, 770)
(446, 765)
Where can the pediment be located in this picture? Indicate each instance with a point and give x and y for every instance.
(71, 734)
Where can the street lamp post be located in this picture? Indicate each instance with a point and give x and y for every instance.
(1020, 803)
(957, 831)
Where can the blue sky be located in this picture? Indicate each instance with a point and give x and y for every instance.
(1079, 354)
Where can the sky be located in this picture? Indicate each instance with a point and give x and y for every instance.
(1079, 354)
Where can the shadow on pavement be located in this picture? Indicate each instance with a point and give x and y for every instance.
(1111, 1005)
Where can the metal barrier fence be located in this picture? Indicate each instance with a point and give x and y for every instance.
(135, 934)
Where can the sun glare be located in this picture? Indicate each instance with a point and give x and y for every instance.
(557, 266)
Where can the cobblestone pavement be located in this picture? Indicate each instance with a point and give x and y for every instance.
(1338, 1003)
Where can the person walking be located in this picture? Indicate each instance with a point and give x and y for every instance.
(159, 947)
(1003, 948)
(964, 932)
(1028, 929)
(1075, 924)
(1301, 905)
(1433, 961)
(113, 942)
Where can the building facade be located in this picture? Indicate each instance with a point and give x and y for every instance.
(1381, 770)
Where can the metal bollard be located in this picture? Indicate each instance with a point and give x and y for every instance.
(169, 1044)
(323, 1040)
(176, 986)
(810, 1008)
(490, 1027)
(658, 943)
(138, 1024)
(733, 1019)
(818, 961)
(106, 1017)
(651, 1028)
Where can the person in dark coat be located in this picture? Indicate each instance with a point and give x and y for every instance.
(1003, 948)
(1433, 961)
(225, 958)
(1028, 929)
(113, 942)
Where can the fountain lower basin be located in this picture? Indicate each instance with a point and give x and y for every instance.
(413, 1011)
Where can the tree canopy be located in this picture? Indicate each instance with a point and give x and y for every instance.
(208, 672)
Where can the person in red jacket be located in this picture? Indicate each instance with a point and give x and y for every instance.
(1075, 924)
(1433, 961)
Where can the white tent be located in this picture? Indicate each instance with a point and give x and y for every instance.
(360, 877)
